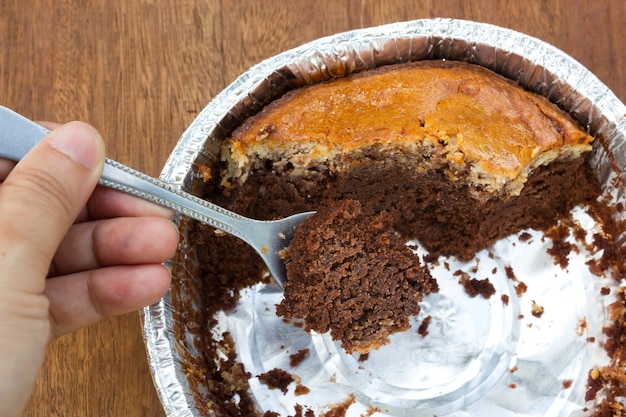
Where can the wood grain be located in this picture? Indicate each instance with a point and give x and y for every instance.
(140, 71)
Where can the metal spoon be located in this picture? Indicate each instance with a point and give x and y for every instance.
(269, 238)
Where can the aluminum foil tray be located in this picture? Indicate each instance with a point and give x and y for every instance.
(481, 357)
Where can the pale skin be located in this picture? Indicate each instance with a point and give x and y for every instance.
(71, 253)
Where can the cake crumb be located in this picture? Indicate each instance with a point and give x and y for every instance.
(301, 390)
(423, 328)
(340, 410)
(581, 328)
(373, 410)
(520, 288)
(474, 287)
(276, 379)
(536, 310)
(525, 237)
(301, 412)
(298, 357)
(510, 274)
(505, 299)
(594, 384)
(560, 249)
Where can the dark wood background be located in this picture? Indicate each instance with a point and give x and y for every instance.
(141, 70)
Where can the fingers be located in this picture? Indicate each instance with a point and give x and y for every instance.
(106, 203)
(5, 167)
(59, 174)
(81, 299)
(120, 241)
(39, 199)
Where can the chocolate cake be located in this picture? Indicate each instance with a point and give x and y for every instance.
(458, 155)
(349, 273)
(447, 153)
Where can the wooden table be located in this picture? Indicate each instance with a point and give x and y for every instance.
(141, 70)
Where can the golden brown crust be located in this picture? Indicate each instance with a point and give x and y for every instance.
(470, 118)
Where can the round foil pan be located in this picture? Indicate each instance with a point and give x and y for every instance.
(481, 358)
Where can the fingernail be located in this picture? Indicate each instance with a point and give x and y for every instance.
(78, 141)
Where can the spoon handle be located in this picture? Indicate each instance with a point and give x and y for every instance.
(120, 177)
(18, 135)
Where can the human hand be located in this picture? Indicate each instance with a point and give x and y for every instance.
(71, 253)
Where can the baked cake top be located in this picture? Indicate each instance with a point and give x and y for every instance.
(463, 118)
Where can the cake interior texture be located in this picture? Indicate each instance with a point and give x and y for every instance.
(447, 153)
(350, 274)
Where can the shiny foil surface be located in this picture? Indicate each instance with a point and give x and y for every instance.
(481, 357)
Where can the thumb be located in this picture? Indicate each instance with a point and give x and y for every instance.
(41, 198)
